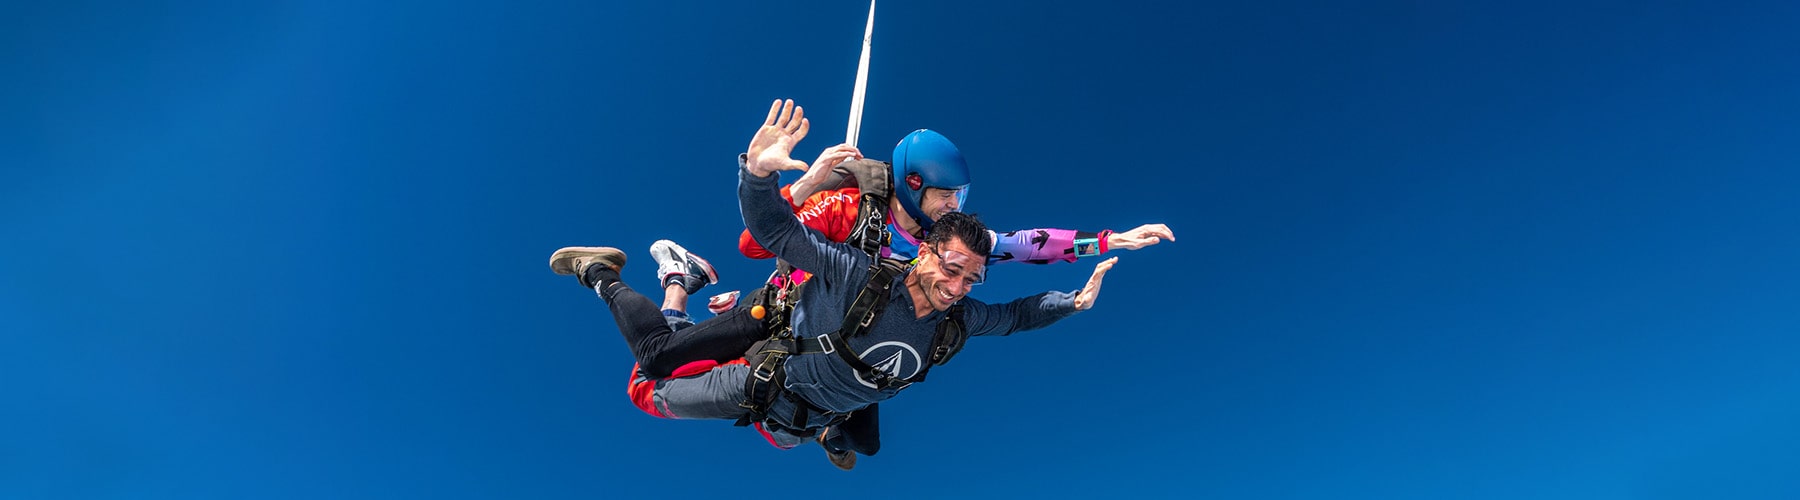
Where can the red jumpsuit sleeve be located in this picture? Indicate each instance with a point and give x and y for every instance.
(838, 213)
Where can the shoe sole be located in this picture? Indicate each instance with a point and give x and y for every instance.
(664, 250)
(563, 261)
(843, 460)
(712, 276)
(847, 461)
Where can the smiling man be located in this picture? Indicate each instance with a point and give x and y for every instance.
(855, 340)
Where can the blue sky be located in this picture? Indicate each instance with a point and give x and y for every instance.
(1427, 249)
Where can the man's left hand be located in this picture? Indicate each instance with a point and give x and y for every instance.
(1084, 299)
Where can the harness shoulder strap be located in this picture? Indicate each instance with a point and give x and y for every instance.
(863, 311)
(874, 178)
(869, 234)
(951, 334)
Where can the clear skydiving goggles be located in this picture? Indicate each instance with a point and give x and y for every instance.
(956, 265)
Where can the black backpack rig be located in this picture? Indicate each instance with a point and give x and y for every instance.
(774, 304)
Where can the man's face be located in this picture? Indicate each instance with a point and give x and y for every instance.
(947, 271)
(936, 202)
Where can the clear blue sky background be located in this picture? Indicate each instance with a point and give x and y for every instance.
(1427, 249)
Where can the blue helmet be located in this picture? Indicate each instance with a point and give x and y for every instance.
(927, 159)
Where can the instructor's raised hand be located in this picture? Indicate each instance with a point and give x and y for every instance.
(806, 185)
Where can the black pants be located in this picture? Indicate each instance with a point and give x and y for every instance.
(659, 350)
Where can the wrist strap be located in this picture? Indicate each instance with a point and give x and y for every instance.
(1089, 246)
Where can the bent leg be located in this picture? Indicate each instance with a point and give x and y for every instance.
(658, 348)
(646, 331)
(722, 338)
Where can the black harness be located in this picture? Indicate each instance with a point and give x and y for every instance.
(768, 358)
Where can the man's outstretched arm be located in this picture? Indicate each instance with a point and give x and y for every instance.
(1036, 311)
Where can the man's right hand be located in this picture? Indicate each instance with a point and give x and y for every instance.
(773, 144)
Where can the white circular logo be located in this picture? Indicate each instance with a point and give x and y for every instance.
(893, 358)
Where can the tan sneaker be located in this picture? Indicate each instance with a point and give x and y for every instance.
(845, 460)
(572, 261)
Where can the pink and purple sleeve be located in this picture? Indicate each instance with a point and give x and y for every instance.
(1044, 246)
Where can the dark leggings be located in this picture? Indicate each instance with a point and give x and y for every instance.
(659, 350)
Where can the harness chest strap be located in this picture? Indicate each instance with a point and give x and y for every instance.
(869, 234)
(868, 306)
(768, 358)
(946, 343)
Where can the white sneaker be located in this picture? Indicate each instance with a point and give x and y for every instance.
(675, 265)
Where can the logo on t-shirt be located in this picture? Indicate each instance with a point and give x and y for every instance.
(894, 358)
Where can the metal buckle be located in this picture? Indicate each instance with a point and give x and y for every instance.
(825, 344)
(765, 371)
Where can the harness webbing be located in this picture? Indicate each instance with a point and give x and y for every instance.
(768, 358)
(868, 306)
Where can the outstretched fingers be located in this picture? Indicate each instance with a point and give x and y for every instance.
(774, 110)
(774, 141)
(798, 126)
(788, 118)
(1143, 236)
(1160, 230)
(1085, 299)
